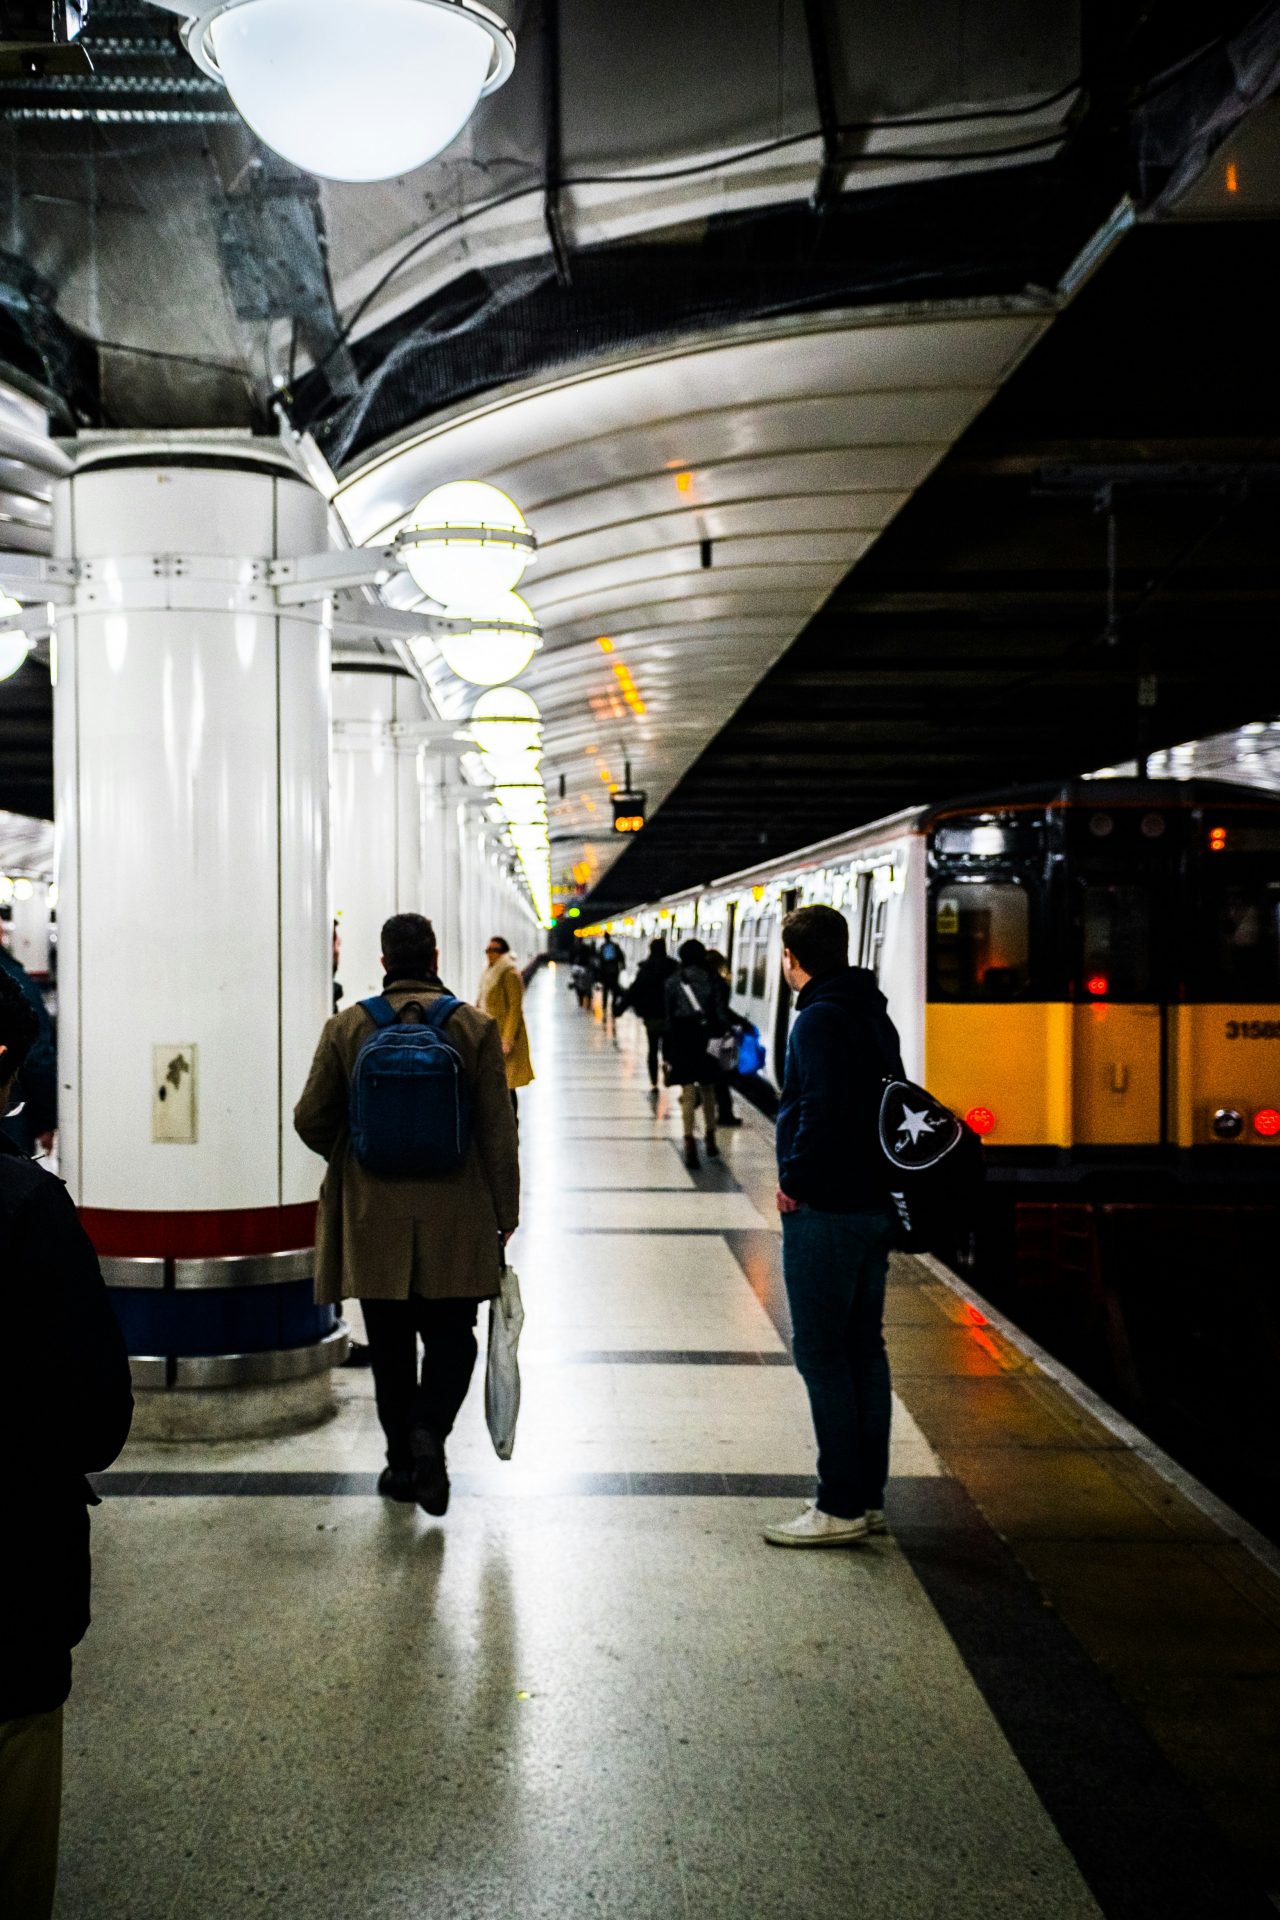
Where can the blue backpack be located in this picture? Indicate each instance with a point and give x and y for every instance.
(410, 1107)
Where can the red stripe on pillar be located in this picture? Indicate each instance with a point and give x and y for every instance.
(199, 1236)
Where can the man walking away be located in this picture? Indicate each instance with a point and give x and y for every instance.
(647, 998)
(697, 1008)
(835, 1227)
(65, 1412)
(609, 973)
(501, 996)
(420, 1253)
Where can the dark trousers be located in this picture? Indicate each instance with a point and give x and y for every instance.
(653, 1034)
(405, 1399)
(834, 1266)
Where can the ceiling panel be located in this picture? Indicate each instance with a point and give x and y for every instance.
(788, 446)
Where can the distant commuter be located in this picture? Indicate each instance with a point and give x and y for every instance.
(835, 1229)
(501, 996)
(580, 981)
(696, 1009)
(646, 997)
(37, 1095)
(419, 1250)
(609, 973)
(65, 1412)
(725, 1115)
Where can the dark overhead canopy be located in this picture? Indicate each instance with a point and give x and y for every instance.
(976, 645)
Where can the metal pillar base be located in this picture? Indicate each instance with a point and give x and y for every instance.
(238, 1396)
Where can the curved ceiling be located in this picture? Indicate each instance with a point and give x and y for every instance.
(694, 508)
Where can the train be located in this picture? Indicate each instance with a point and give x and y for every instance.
(1089, 972)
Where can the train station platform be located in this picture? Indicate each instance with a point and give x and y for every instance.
(594, 1690)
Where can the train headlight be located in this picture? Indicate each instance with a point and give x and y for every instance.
(1228, 1124)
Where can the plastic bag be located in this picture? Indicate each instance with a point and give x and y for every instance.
(502, 1369)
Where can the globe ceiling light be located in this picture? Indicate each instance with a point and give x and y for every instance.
(506, 721)
(523, 806)
(499, 645)
(14, 645)
(353, 89)
(466, 542)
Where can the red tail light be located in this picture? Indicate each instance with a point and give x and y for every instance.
(982, 1120)
(1097, 985)
(1266, 1121)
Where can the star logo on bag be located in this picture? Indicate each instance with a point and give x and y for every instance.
(914, 1124)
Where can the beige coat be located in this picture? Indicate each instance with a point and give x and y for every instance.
(501, 996)
(371, 1232)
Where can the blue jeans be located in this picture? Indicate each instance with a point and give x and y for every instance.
(835, 1265)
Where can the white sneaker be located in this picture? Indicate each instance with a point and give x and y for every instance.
(815, 1529)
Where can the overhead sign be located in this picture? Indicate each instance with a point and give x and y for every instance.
(628, 812)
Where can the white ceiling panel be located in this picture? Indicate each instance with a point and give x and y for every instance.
(789, 446)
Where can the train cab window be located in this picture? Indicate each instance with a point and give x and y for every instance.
(1117, 962)
(981, 941)
(760, 966)
(1244, 931)
(742, 974)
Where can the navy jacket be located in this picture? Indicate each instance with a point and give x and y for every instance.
(842, 1046)
(65, 1412)
(38, 1083)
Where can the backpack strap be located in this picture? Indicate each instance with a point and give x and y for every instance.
(380, 1010)
(436, 1012)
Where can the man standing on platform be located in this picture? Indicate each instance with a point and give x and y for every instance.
(835, 1224)
(419, 1252)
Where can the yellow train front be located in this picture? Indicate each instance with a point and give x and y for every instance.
(1103, 983)
(1103, 1002)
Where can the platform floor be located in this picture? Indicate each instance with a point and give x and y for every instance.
(594, 1691)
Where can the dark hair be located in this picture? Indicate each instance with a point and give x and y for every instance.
(408, 946)
(19, 1027)
(496, 940)
(658, 949)
(693, 954)
(818, 937)
(716, 960)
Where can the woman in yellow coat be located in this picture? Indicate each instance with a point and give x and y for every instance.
(501, 996)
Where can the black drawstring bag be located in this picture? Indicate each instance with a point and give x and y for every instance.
(934, 1168)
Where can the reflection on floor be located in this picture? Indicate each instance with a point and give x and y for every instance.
(592, 1690)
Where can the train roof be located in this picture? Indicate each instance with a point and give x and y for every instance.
(1110, 792)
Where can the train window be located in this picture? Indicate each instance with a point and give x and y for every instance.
(743, 973)
(1244, 928)
(981, 941)
(760, 967)
(874, 932)
(1115, 931)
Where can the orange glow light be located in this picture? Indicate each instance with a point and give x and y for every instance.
(1266, 1122)
(604, 643)
(1217, 839)
(684, 482)
(978, 1319)
(1097, 985)
(1233, 177)
(981, 1119)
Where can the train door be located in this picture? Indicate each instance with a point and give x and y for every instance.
(1119, 1047)
(782, 1019)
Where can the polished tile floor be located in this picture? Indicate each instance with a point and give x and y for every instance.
(591, 1690)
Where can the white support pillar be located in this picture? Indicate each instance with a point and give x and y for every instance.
(192, 814)
(378, 817)
(29, 928)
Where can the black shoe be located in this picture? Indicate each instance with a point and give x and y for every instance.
(357, 1355)
(691, 1159)
(396, 1483)
(713, 1151)
(430, 1475)
(728, 1120)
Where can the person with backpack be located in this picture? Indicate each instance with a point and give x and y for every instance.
(646, 997)
(407, 1101)
(609, 972)
(836, 1227)
(697, 1011)
(65, 1412)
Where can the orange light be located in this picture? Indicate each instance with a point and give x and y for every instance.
(978, 1319)
(1217, 839)
(628, 823)
(1233, 177)
(604, 643)
(981, 1119)
(1097, 985)
(1266, 1121)
(684, 482)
